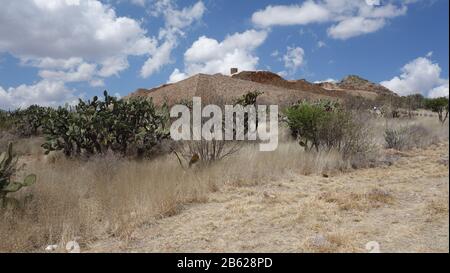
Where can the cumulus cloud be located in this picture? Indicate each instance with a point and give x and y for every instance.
(294, 58)
(355, 26)
(308, 12)
(177, 76)
(207, 55)
(84, 72)
(419, 76)
(45, 92)
(349, 18)
(63, 29)
(158, 60)
(175, 22)
(68, 41)
(85, 40)
(439, 91)
(180, 19)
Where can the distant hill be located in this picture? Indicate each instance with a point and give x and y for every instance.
(356, 84)
(353, 82)
(277, 90)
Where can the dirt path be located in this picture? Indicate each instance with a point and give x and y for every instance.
(403, 207)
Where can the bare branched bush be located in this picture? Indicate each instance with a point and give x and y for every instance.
(358, 144)
(210, 151)
(204, 152)
(408, 137)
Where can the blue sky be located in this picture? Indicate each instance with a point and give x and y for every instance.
(54, 51)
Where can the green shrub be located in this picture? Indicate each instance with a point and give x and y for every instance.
(29, 121)
(439, 106)
(325, 125)
(317, 125)
(131, 127)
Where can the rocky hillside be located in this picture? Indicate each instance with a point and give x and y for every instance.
(353, 82)
(276, 89)
(219, 88)
(267, 77)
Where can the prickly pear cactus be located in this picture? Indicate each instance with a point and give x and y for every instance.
(8, 163)
(96, 126)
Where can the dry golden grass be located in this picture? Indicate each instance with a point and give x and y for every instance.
(358, 201)
(109, 196)
(94, 199)
(437, 209)
(330, 243)
(113, 204)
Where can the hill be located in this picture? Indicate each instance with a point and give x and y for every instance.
(220, 88)
(277, 90)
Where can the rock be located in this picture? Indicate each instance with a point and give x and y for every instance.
(268, 195)
(51, 248)
(319, 241)
(73, 247)
(443, 160)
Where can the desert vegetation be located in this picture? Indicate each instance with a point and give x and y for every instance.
(105, 169)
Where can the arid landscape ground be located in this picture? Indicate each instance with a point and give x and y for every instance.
(283, 201)
(403, 207)
(211, 126)
(388, 187)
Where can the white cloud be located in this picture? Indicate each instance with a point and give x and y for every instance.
(283, 74)
(175, 22)
(180, 19)
(308, 12)
(419, 76)
(50, 63)
(85, 40)
(60, 29)
(321, 44)
(207, 55)
(275, 53)
(294, 58)
(158, 60)
(112, 66)
(84, 72)
(329, 80)
(349, 18)
(177, 76)
(68, 41)
(355, 26)
(97, 82)
(45, 92)
(440, 91)
(373, 2)
(138, 2)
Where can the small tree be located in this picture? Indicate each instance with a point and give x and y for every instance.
(439, 106)
(316, 125)
(413, 102)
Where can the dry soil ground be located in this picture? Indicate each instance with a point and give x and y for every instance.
(403, 207)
